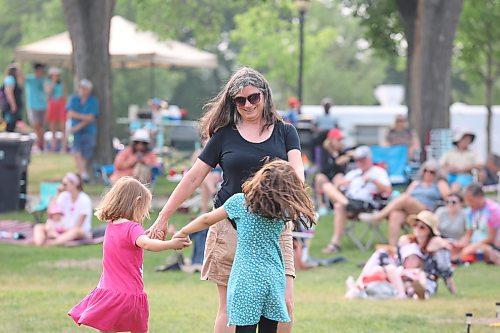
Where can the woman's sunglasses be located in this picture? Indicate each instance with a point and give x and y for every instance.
(432, 172)
(253, 99)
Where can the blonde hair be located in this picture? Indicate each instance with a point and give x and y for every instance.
(276, 192)
(127, 199)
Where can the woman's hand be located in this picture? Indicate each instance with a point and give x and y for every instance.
(158, 230)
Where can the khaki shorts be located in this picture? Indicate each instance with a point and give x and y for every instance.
(221, 247)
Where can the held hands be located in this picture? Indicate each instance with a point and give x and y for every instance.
(179, 234)
(158, 230)
(180, 243)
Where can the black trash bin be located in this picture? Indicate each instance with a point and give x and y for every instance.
(15, 151)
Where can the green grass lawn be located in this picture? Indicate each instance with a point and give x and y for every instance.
(39, 285)
(49, 167)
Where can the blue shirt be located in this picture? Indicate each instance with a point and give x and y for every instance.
(91, 106)
(35, 95)
(9, 81)
(57, 90)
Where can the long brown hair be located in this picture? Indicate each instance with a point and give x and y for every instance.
(221, 110)
(276, 192)
(127, 199)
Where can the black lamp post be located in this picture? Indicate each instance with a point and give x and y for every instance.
(302, 6)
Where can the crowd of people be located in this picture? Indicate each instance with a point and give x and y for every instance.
(251, 166)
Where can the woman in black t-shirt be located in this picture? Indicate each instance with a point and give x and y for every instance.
(333, 161)
(242, 127)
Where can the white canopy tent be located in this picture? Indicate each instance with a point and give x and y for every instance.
(128, 47)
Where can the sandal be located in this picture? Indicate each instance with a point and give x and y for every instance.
(331, 248)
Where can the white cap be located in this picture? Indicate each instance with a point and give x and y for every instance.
(141, 135)
(362, 152)
(86, 83)
(55, 71)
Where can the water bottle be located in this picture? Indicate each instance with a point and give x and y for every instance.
(479, 255)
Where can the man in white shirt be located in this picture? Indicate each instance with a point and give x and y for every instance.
(355, 193)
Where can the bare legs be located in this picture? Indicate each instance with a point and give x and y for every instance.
(38, 128)
(340, 217)
(81, 164)
(53, 128)
(396, 221)
(40, 236)
(221, 319)
(287, 327)
(319, 180)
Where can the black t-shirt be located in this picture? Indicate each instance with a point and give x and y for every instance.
(328, 163)
(240, 158)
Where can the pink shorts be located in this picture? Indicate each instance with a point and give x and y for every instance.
(56, 110)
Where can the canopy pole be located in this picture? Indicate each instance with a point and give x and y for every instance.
(152, 78)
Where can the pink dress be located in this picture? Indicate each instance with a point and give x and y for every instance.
(119, 302)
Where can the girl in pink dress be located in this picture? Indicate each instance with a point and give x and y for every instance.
(119, 303)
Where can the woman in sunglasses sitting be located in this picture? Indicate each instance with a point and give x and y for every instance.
(435, 250)
(242, 127)
(425, 193)
(452, 217)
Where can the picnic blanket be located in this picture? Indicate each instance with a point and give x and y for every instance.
(21, 233)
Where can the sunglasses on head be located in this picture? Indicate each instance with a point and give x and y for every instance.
(241, 100)
(432, 172)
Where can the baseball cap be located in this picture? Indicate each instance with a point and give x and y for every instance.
(362, 152)
(335, 133)
(293, 101)
(86, 83)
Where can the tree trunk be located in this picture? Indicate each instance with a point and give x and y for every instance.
(430, 68)
(88, 23)
(408, 11)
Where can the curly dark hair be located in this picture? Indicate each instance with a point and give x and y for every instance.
(276, 192)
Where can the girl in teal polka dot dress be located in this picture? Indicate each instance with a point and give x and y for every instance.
(256, 287)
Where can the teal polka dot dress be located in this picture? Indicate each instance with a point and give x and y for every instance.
(256, 284)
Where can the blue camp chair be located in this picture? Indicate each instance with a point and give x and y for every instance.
(48, 191)
(395, 158)
(103, 171)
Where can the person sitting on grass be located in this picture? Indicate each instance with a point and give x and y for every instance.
(136, 160)
(482, 225)
(402, 270)
(76, 217)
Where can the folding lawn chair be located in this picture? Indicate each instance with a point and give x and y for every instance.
(363, 234)
(395, 158)
(103, 171)
(48, 190)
